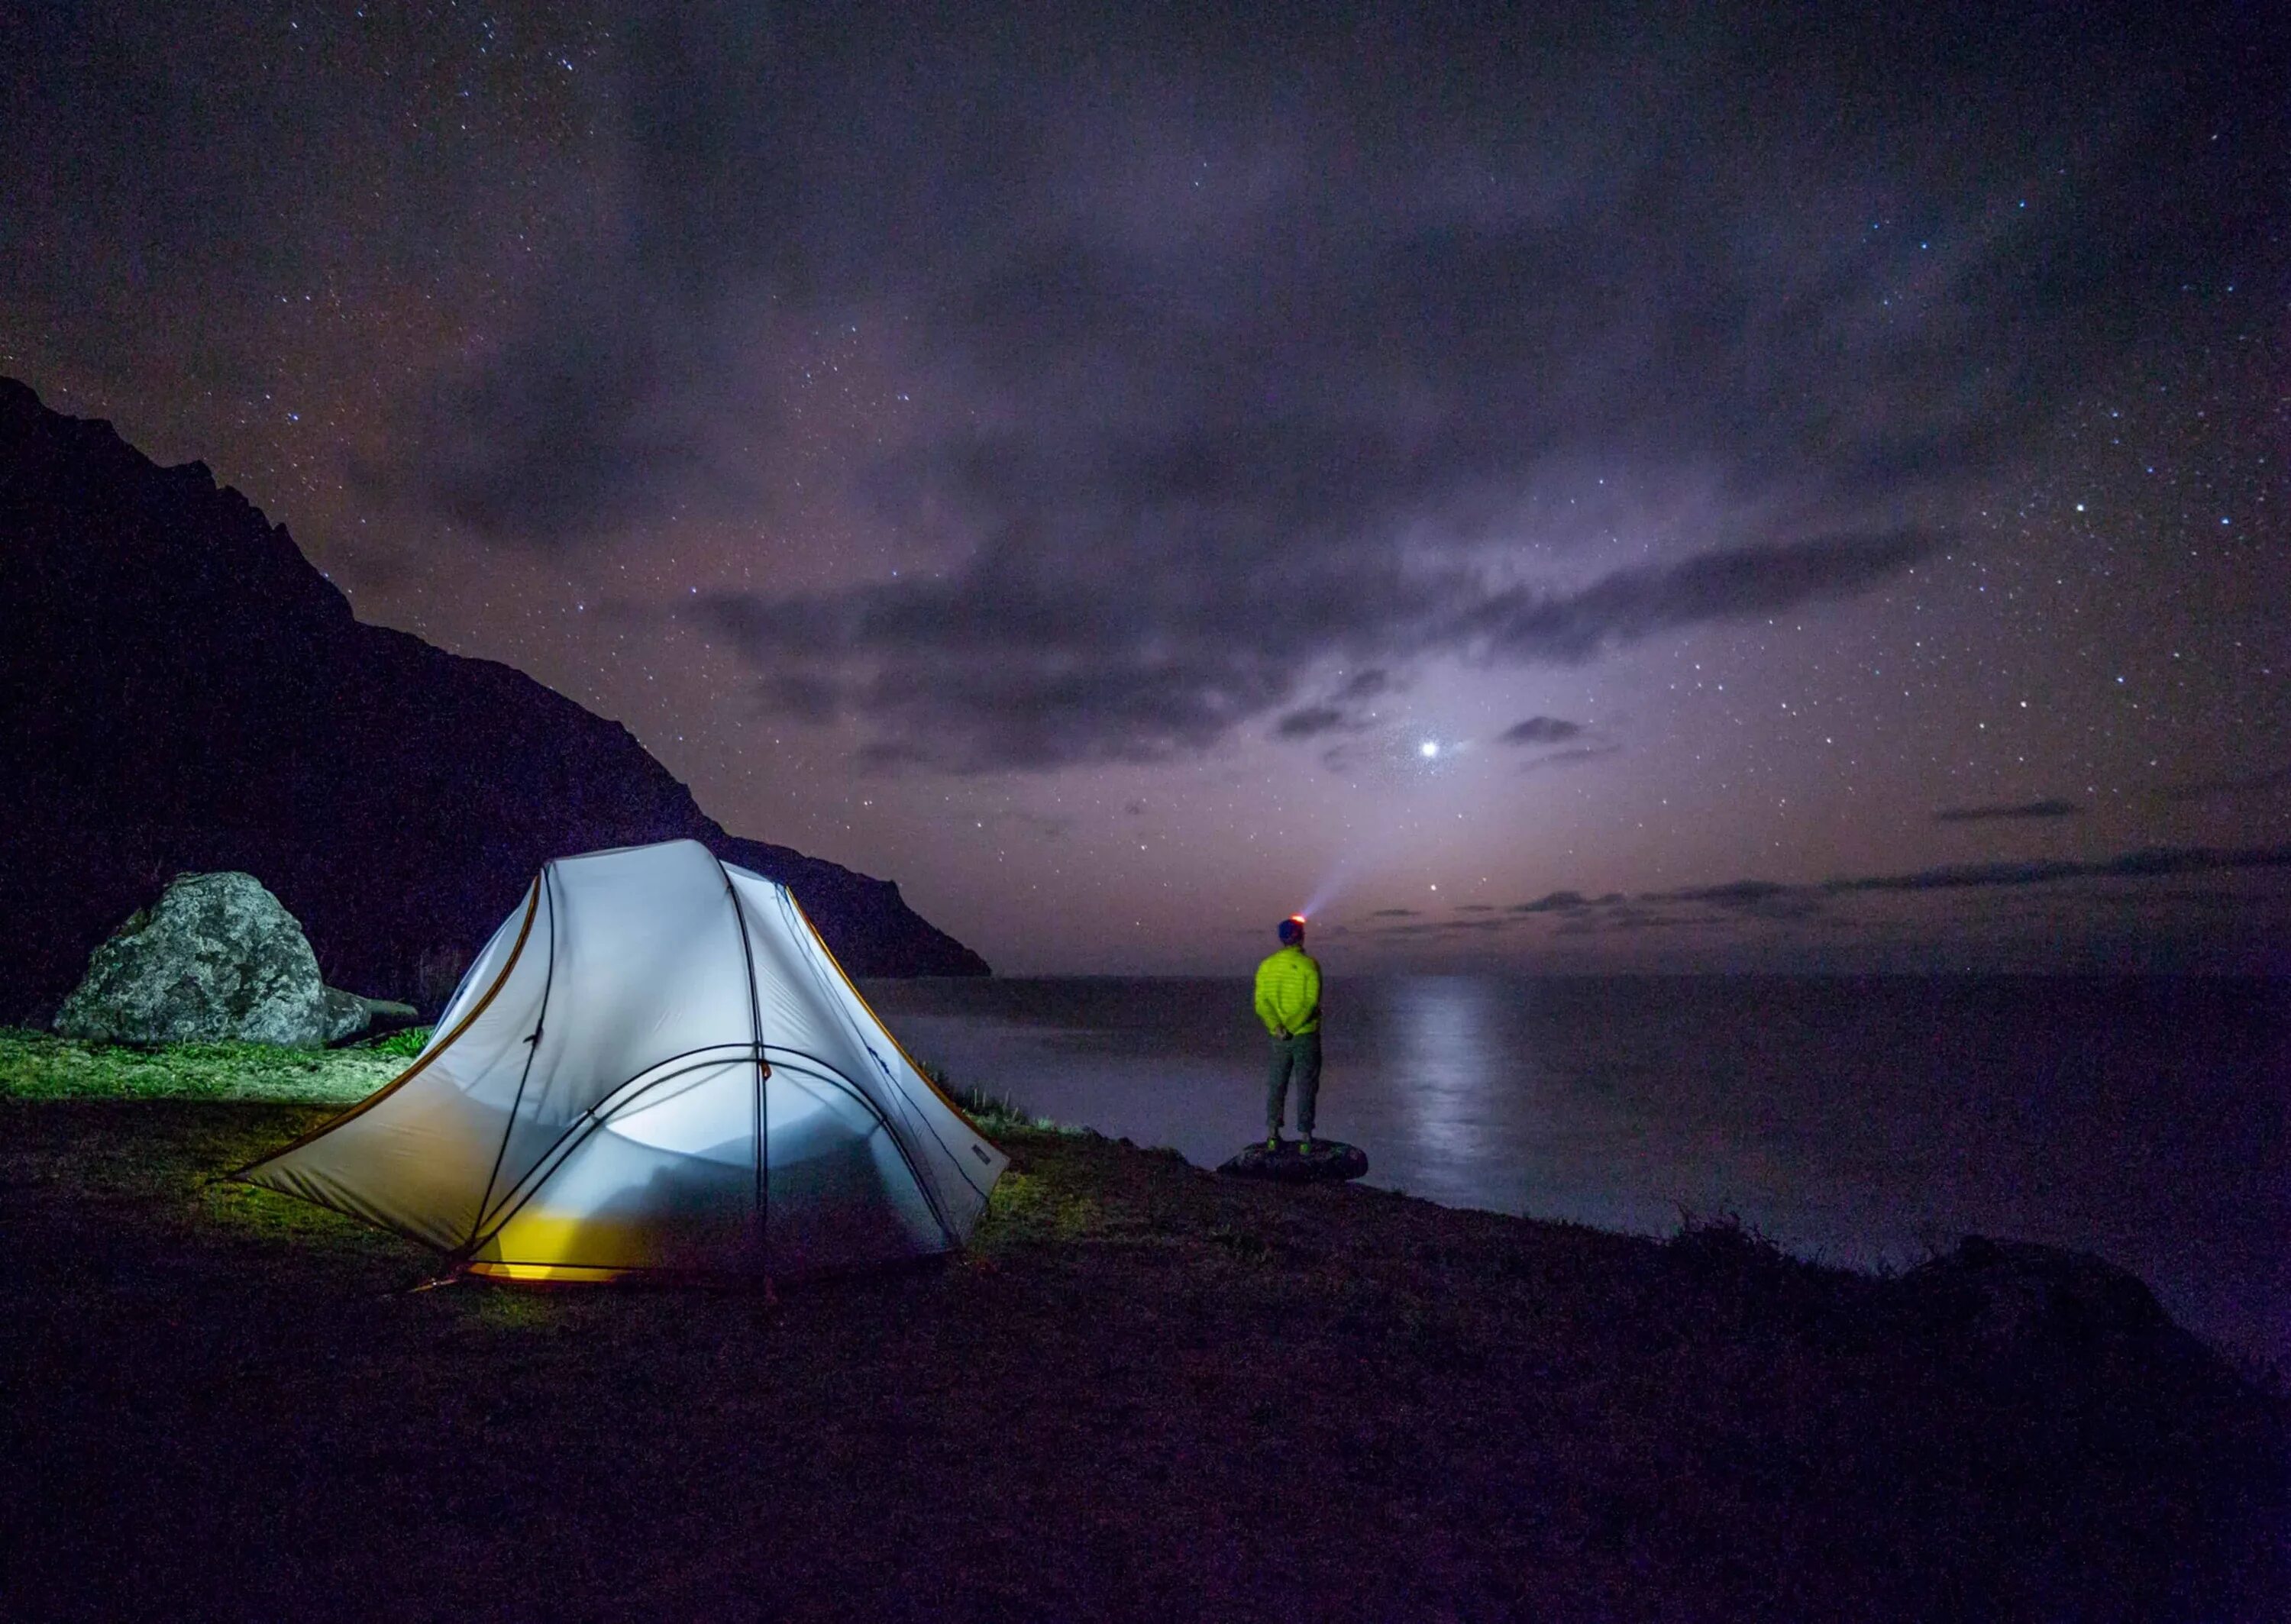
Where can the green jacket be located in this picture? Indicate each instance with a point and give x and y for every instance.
(1289, 992)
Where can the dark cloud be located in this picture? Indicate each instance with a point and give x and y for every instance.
(1394, 913)
(1575, 757)
(2155, 862)
(1761, 898)
(1532, 624)
(998, 672)
(1312, 721)
(1768, 899)
(1623, 919)
(1540, 730)
(1745, 904)
(1341, 712)
(1364, 685)
(2017, 811)
(1205, 380)
(1038, 657)
(1432, 929)
(1742, 893)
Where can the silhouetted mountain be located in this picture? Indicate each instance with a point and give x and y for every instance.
(180, 690)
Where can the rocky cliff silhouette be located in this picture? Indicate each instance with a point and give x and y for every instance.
(180, 689)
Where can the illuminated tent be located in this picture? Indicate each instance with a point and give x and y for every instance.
(655, 1067)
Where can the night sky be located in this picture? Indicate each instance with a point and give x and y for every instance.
(1602, 487)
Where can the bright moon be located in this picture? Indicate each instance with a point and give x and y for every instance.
(1428, 749)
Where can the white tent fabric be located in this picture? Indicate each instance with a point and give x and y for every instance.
(591, 1104)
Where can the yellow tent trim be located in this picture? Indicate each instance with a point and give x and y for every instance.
(961, 1116)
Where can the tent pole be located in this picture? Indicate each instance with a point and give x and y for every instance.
(545, 889)
(763, 1133)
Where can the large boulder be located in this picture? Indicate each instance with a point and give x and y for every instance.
(217, 959)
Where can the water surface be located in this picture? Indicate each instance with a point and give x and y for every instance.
(1861, 1121)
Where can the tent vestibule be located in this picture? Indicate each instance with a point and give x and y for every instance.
(655, 1067)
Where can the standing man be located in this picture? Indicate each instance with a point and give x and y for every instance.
(1288, 1003)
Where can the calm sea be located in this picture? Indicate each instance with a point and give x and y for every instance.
(1856, 1121)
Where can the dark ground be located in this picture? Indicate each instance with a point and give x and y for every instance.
(1147, 1393)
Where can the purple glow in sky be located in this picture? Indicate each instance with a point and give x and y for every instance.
(1601, 490)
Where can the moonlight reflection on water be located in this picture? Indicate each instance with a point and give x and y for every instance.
(1859, 1121)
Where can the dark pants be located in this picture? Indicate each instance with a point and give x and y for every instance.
(1297, 1056)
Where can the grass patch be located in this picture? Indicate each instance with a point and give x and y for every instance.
(403, 1044)
(1026, 1207)
(993, 1113)
(39, 1065)
(1140, 1395)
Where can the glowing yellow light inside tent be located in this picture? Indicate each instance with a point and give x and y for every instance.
(666, 1181)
